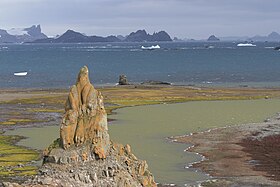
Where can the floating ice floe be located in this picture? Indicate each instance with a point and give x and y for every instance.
(151, 47)
(23, 73)
(269, 47)
(246, 45)
(207, 82)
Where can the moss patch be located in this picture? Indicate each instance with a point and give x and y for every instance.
(11, 156)
(28, 173)
(7, 123)
(15, 121)
(26, 170)
(6, 173)
(54, 145)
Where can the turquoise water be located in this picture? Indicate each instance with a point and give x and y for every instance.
(146, 128)
(56, 65)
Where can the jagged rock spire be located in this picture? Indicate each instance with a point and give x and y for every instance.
(85, 118)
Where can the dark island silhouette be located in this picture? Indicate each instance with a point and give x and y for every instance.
(71, 36)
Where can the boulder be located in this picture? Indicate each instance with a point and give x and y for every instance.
(123, 80)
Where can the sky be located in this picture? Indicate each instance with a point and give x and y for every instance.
(181, 18)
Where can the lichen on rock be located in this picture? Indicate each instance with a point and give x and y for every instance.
(85, 118)
(84, 155)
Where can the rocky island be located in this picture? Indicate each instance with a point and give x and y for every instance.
(143, 36)
(213, 38)
(84, 155)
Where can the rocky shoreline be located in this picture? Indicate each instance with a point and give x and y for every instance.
(243, 155)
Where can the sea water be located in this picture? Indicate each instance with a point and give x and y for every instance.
(146, 129)
(199, 63)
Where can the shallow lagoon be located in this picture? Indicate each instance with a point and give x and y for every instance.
(145, 128)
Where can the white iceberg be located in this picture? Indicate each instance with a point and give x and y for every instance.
(151, 47)
(24, 73)
(246, 45)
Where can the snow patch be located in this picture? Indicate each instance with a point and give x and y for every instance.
(17, 32)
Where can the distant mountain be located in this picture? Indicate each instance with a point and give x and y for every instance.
(5, 37)
(213, 38)
(121, 37)
(71, 36)
(35, 32)
(272, 37)
(142, 36)
(19, 35)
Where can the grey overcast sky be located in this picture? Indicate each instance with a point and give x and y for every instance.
(181, 18)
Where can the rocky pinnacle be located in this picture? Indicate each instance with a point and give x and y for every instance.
(85, 118)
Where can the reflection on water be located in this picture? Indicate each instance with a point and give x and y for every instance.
(145, 128)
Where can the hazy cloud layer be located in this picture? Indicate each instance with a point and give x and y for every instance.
(183, 18)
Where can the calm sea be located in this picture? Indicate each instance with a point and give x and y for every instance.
(198, 63)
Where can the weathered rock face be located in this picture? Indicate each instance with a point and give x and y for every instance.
(84, 156)
(79, 167)
(85, 118)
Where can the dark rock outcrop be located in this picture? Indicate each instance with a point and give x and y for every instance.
(84, 155)
(123, 80)
(143, 36)
(213, 38)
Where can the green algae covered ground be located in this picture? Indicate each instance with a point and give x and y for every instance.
(16, 160)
